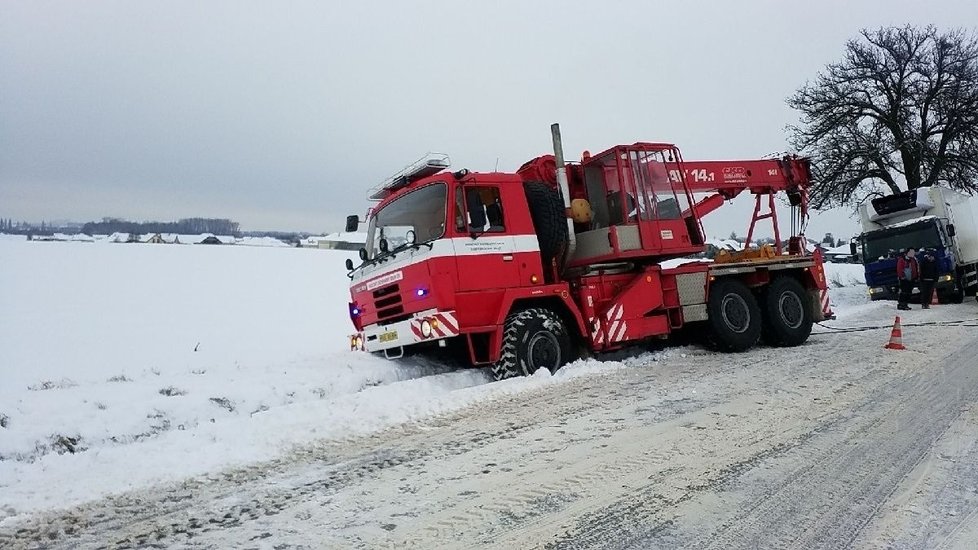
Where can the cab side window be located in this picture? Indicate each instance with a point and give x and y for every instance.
(461, 214)
(485, 198)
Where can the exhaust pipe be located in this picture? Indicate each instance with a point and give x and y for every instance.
(564, 189)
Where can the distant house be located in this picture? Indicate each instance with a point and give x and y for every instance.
(336, 241)
(840, 254)
(210, 239)
(207, 238)
(156, 239)
(80, 237)
(714, 246)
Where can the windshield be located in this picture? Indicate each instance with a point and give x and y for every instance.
(887, 242)
(421, 211)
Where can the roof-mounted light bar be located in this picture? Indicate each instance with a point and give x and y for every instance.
(428, 165)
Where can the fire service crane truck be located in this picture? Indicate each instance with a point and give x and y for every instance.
(529, 270)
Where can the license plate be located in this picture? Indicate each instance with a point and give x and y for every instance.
(388, 336)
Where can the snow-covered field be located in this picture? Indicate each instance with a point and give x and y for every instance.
(126, 365)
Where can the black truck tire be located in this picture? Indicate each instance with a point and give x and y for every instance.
(734, 322)
(953, 296)
(786, 313)
(549, 220)
(533, 338)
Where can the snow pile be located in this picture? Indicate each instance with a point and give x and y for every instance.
(847, 288)
(260, 241)
(845, 275)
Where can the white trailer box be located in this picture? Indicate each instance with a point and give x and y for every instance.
(952, 208)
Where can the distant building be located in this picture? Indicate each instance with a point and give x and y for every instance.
(156, 239)
(211, 239)
(336, 241)
(841, 255)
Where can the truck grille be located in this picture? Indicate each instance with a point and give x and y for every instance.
(388, 305)
(884, 277)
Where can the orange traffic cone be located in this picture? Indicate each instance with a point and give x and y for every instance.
(933, 298)
(896, 336)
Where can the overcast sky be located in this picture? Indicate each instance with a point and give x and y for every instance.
(281, 114)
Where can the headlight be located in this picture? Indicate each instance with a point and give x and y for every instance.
(426, 328)
(358, 342)
(946, 278)
(876, 290)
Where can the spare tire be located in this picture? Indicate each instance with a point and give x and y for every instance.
(549, 221)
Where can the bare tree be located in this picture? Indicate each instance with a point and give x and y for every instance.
(900, 111)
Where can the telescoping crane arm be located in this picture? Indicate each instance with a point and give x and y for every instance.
(724, 180)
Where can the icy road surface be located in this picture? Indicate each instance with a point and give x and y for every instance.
(834, 444)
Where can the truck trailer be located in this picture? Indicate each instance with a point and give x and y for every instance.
(937, 219)
(533, 269)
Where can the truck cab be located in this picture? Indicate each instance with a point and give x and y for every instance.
(929, 218)
(441, 250)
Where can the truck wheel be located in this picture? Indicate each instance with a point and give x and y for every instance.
(955, 296)
(734, 317)
(787, 313)
(549, 220)
(532, 339)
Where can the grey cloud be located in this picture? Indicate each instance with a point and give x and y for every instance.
(280, 115)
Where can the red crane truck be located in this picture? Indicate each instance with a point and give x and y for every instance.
(528, 270)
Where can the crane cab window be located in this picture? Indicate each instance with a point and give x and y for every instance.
(630, 185)
(486, 200)
(657, 196)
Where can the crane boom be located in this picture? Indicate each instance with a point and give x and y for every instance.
(725, 179)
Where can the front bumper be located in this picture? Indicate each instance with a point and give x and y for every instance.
(944, 284)
(426, 326)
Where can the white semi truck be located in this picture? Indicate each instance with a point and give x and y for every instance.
(934, 218)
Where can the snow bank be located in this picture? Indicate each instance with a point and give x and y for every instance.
(848, 293)
(261, 241)
(128, 365)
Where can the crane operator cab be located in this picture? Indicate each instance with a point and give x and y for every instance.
(631, 203)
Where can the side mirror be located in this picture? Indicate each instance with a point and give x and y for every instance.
(477, 214)
(363, 254)
(383, 246)
(349, 264)
(852, 249)
(950, 230)
(352, 223)
(411, 237)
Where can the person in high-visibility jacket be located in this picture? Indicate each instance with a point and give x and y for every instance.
(908, 272)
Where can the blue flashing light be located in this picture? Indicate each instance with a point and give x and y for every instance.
(356, 311)
(422, 292)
